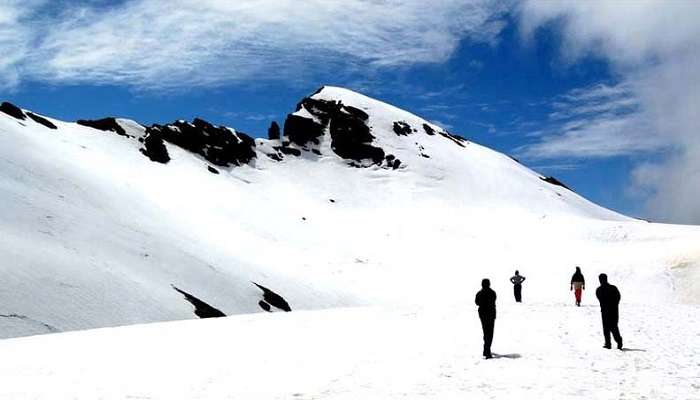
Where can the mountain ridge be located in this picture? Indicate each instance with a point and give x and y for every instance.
(96, 234)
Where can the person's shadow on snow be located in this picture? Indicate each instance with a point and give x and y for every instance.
(626, 349)
(511, 356)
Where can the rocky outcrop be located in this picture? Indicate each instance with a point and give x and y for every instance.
(108, 124)
(154, 148)
(219, 145)
(271, 298)
(41, 120)
(350, 135)
(302, 131)
(201, 309)
(12, 110)
(402, 128)
(554, 181)
(458, 140)
(273, 132)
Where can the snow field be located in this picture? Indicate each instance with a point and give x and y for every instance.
(547, 351)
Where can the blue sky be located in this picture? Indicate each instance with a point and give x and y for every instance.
(572, 89)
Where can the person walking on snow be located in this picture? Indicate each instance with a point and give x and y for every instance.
(578, 284)
(609, 298)
(486, 300)
(517, 281)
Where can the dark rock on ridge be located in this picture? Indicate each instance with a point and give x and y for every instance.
(402, 128)
(217, 144)
(273, 132)
(12, 110)
(350, 136)
(458, 140)
(455, 138)
(41, 120)
(201, 309)
(264, 305)
(104, 124)
(554, 181)
(154, 148)
(273, 299)
(290, 151)
(392, 162)
(302, 131)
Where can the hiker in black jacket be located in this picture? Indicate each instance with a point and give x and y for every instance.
(609, 298)
(517, 281)
(486, 300)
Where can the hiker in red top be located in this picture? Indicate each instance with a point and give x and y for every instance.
(578, 285)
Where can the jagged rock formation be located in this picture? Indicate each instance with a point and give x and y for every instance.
(201, 309)
(273, 132)
(554, 181)
(41, 120)
(108, 124)
(154, 148)
(219, 145)
(271, 298)
(12, 110)
(350, 135)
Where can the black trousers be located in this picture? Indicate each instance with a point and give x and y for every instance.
(610, 326)
(517, 291)
(487, 325)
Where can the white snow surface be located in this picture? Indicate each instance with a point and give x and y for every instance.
(544, 351)
(381, 279)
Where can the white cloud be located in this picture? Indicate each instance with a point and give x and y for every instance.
(188, 43)
(15, 38)
(594, 122)
(653, 48)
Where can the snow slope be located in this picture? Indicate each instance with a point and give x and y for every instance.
(547, 351)
(95, 234)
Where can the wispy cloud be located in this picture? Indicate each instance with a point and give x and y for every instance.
(594, 122)
(653, 48)
(16, 38)
(557, 167)
(188, 43)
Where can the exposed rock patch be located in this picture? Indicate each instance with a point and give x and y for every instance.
(265, 306)
(154, 148)
(12, 110)
(402, 128)
(392, 162)
(41, 120)
(108, 124)
(212, 170)
(428, 129)
(290, 151)
(272, 298)
(273, 132)
(458, 140)
(350, 136)
(201, 309)
(554, 181)
(217, 144)
(302, 131)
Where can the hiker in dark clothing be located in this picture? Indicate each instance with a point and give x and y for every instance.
(609, 298)
(486, 300)
(517, 281)
(578, 284)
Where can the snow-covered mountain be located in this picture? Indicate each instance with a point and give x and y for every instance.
(352, 202)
